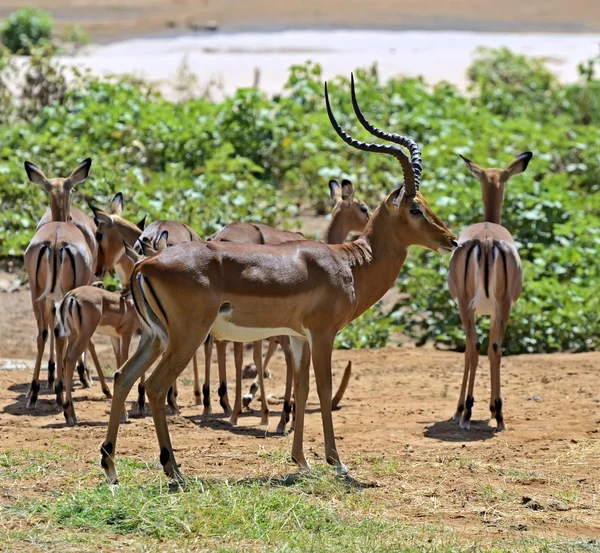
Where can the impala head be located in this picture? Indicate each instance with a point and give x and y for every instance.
(112, 231)
(351, 210)
(412, 219)
(493, 182)
(59, 190)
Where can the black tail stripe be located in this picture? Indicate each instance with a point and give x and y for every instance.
(156, 298)
(39, 261)
(71, 302)
(469, 251)
(503, 254)
(72, 258)
(486, 274)
(79, 314)
(54, 270)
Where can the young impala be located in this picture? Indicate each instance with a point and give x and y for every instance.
(485, 277)
(246, 292)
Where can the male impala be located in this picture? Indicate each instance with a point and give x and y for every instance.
(58, 258)
(485, 277)
(246, 292)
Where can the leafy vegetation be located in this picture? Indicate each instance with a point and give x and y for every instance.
(25, 29)
(255, 158)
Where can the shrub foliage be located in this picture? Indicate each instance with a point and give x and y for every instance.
(257, 158)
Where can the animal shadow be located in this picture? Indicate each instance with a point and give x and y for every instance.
(449, 431)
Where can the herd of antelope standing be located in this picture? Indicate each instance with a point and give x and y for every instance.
(247, 283)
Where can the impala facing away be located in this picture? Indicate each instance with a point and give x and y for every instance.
(485, 277)
(349, 215)
(246, 292)
(59, 257)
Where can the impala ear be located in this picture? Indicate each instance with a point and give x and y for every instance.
(79, 174)
(394, 199)
(335, 190)
(473, 167)
(347, 191)
(116, 206)
(518, 165)
(101, 216)
(131, 253)
(35, 175)
(161, 244)
(142, 224)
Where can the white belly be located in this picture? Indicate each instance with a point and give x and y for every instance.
(108, 330)
(223, 329)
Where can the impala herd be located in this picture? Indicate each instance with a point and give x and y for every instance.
(247, 283)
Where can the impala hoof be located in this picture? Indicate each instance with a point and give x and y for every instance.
(341, 470)
(465, 425)
(246, 400)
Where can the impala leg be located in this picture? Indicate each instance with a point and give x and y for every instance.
(497, 330)
(116, 345)
(197, 394)
(261, 381)
(70, 359)
(40, 309)
(147, 352)
(139, 407)
(84, 372)
(172, 364)
(322, 348)
(51, 362)
(208, 347)
(465, 405)
(59, 387)
(221, 358)
(247, 399)
(103, 386)
(289, 380)
(238, 355)
(172, 393)
(301, 358)
(270, 351)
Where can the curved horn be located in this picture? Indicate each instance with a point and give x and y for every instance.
(398, 153)
(411, 145)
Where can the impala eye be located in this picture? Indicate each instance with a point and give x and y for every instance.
(364, 209)
(416, 211)
(98, 236)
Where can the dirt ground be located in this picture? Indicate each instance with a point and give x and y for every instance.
(393, 430)
(113, 19)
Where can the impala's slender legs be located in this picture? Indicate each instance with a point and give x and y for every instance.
(465, 405)
(40, 309)
(173, 362)
(103, 386)
(139, 407)
(238, 356)
(223, 398)
(261, 381)
(147, 352)
(172, 393)
(289, 380)
(301, 357)
(497, 329)
(70, 360)
(208, 347)
(59, 387)
(116, 345)
(51, 363)
(84, 372)
(197, 394)
(322, 348)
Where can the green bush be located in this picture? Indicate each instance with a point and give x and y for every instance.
(25, 28)
(255, 158)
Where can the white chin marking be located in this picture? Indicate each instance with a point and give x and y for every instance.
(444, 251)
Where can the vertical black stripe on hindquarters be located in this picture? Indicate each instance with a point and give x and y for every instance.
(150, 287)
(39, 261)
(486, 273)
(469, 251)
(72, 258)
(503, 255)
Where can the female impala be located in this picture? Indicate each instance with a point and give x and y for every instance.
(246, 292)
(485, 277)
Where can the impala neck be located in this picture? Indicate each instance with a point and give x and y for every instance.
(336, 231)
(376, 259)
(61, 210)
(493, 197)
(124, 268)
